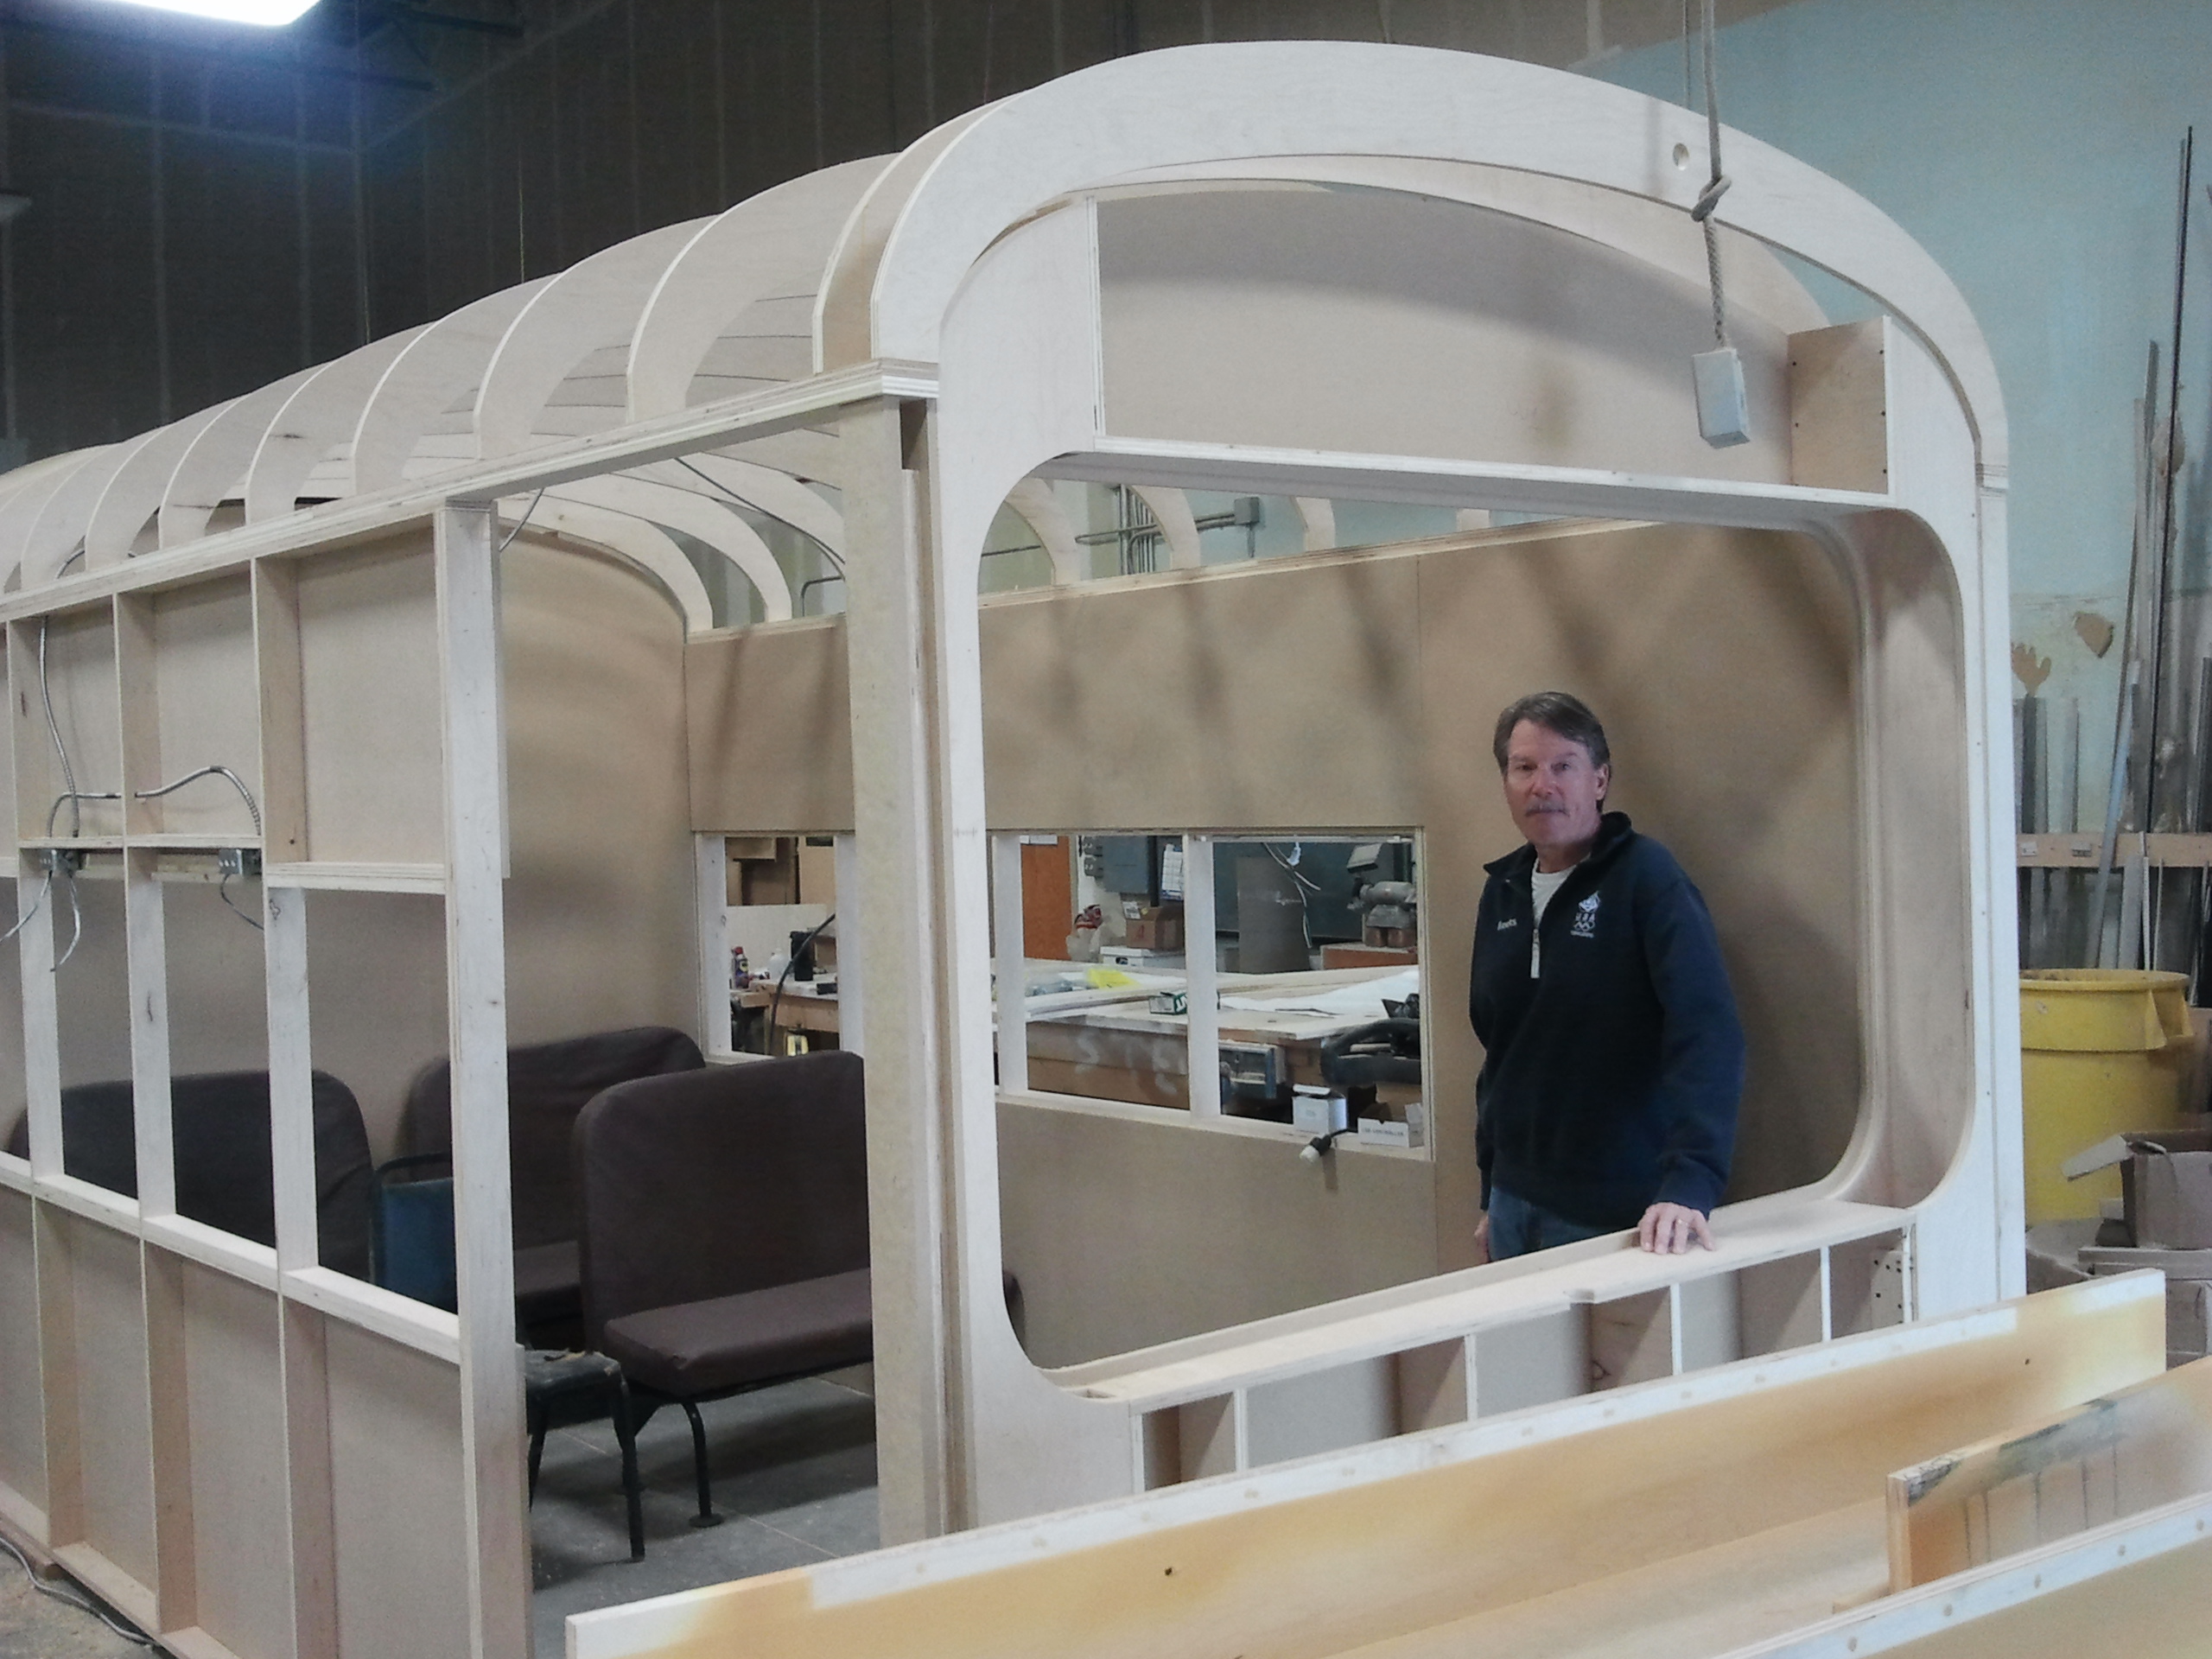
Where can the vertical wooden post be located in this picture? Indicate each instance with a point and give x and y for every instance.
(1012, 961)
(1201, 1002)
(852, 1011)
(41, 1033)
(710, 879)
(491, 1371)
(146, 954)
(892, 644)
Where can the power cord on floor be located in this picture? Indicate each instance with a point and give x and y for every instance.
(137, 1638)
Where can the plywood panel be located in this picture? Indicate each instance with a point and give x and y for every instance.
(1359, 690)
(114, 1425)
(600, 907)
(770, 729)
(1349, 321)
(208, 714)
(1124, 1234)
(22, 1423)
(241, 1542)
(402, 1543)
(369, 702)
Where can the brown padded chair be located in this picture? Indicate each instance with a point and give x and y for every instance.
(548, 1084)
(725, 1231)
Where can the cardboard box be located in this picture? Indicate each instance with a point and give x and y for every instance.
(1154, 927)
(2165, 1185)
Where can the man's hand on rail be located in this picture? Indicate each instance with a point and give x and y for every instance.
(1670, 1228)
(1482, 1240)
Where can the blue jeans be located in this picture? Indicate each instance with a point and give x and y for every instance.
(1517, 1227)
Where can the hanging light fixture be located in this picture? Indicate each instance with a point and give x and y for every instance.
(269, 14)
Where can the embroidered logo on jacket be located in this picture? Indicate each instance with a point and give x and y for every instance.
(1510, 921)
(1585, 919)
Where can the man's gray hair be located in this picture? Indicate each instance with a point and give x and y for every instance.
(1557, 712)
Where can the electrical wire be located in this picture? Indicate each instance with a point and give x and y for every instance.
(223, 893)
(253, 806)
(722, 489)
(1715, 188)
(776, 1000)
(45, 888)
(76, 920)
(53, 728)
(69, 1600)
(520, 522)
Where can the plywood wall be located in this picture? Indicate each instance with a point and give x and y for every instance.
(599, 907)
(1342, 691)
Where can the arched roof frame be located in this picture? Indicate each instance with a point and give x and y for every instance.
(699, 515)
(315, 419)
(217, 458)
(134, 494)
(440, 366)
(765, 247)
(581, 509)
(929, 219)
(595, 303)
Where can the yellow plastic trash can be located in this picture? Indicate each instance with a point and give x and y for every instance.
(2102, 1050)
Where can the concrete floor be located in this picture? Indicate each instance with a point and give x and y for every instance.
(33, 1626)
(794, 1471)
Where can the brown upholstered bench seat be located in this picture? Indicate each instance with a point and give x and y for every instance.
(549, 1283)
(694, 1349)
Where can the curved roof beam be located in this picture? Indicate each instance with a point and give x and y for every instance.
(843, 330)
(217, 458)
(594, 303)
(777, 495)
(885, 295)
(439, 366)
(21, 509)
(50, 542)
(772, 243)
(626, 536)
(698, 515)
(317, 417)
(1319, 515)
(135, 492)
(1171, 508)
(1037, 506)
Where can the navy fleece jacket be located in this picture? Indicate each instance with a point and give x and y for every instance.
(1611, 1082)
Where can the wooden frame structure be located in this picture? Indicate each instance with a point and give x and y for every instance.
(929, 333)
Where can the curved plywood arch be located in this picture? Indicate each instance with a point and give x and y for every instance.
(907, 252)
(772, 243)
(777, 494)
(135, 492)
(20, 511)
(571, 512)
(51, 542)
(592, 304)
(217, 458)
(320, 416)
(441, 364)
(1033, 501)
(700, 516)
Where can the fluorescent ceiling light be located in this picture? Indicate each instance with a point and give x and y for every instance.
(270, 14)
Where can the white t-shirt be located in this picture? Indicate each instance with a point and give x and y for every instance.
(1543, 886)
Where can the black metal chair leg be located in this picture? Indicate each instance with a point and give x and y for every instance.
(706, 1517)
(536, 1414)
(625, 1434)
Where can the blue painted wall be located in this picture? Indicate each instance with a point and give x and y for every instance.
(2031, 146)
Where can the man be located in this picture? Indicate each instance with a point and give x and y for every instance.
(1614, 1060)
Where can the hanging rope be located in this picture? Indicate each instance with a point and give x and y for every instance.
(1716, 187)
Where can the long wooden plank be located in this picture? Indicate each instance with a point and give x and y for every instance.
(1412, 1535)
